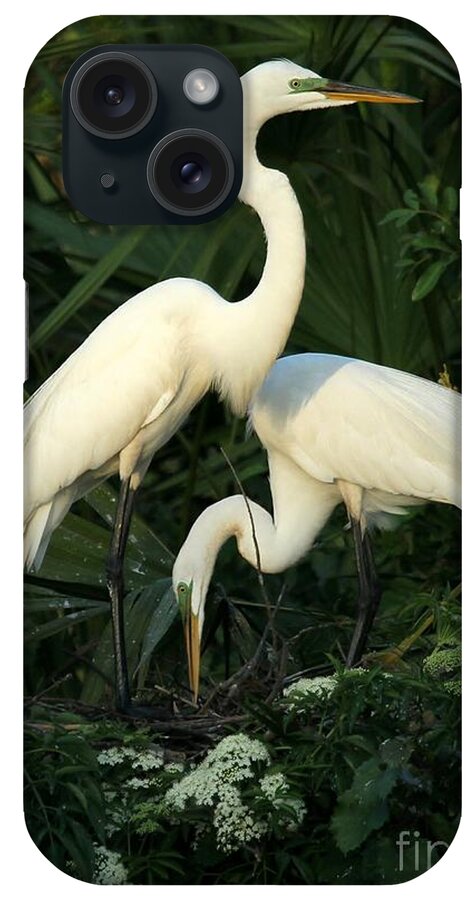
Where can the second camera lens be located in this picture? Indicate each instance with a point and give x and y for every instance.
(190, 172)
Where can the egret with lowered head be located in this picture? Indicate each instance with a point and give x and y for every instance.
(335, 430)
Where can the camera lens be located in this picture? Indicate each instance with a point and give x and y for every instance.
(190, 172)
(113, 95)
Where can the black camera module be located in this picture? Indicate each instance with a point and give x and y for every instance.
(190, 171)
(152, 134)
(113, 95)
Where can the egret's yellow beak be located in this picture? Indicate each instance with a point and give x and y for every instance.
(338, 90)
(191, 629)
(192, 633)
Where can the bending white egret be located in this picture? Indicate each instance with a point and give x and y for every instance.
(335, 429)
(128, 388)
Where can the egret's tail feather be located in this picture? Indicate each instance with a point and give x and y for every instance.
(40, 527)
(36, 537)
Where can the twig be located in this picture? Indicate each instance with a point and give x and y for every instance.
(32, 700)
(251, 664)
(279, 681)
(323, 668)
(261, 581)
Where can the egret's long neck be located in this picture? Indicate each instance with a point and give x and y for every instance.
(271, 546)
(259, 325)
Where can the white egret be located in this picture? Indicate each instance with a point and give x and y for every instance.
(128, 388)
(335, 429)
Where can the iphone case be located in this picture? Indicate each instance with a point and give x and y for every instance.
(299, 770)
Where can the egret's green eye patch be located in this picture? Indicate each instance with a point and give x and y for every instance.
(184, 593)
(307, 84)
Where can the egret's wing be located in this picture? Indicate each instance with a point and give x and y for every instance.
(367, 424)
(120, 379)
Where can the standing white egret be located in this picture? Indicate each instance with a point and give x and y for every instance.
(128, 388)
(335, 429)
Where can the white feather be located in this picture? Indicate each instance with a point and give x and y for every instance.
(384, 430)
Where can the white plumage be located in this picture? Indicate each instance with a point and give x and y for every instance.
(104, 412)
(335, 429)
(130, 385)
(346, 419)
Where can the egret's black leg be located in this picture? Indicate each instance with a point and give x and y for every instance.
(369, 593)
(115, 586)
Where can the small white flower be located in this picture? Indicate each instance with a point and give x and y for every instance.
(137, 783)
(108, 867)
(149, 759)
(113, 756)
(299, 695)
(174, 768)
(271, 784)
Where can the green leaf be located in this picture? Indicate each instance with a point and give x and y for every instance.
(156, 558)
(429, 279)
(450, 201)
(162, 618)
(86, 287)
(396, 751)
(411, 199)
(429, 191)
(39, 599)
(362, 808)
(427, 242)
(62, 623)
(78, 549)
(399, 216)
(139, 609)
(241, 632)
(44, 188)
(352, 823)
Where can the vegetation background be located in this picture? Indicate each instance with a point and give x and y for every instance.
(378, 186)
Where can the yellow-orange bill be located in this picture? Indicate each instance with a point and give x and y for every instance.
(339, 90)
(192, 644)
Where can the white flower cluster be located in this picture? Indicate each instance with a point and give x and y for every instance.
(139, 762)
(216, 783)
(228, 763)
(234, 822)
(271, 785)
(147, 760)
(114, 756)
(108, 867)
(297, 695)
(174, 768)
(140, 759)
(275, 788)
(137, 783)
(117, 812)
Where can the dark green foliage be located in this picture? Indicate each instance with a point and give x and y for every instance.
(64, 804)
(374, 760)
(432, 252)
(380, 755)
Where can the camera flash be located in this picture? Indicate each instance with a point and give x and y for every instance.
(201, 86)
